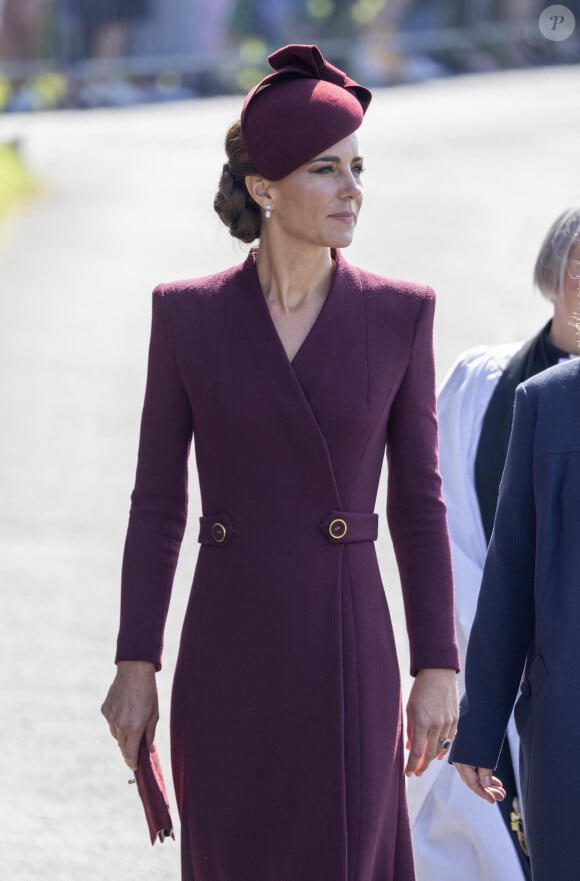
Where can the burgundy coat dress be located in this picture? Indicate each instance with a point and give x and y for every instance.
(287, 741)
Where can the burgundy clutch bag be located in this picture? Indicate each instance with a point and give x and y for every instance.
(151, 787)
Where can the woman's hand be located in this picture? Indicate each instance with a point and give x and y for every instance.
(482, 782)
(131, 707)
(432, 715)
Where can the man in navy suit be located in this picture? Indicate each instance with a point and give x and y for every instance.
(528, 621)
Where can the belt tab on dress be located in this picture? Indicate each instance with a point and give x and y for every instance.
(216, 530)
(347, 526)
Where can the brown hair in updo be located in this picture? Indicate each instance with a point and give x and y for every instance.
(232, 202)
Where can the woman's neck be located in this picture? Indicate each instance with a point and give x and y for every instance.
(291, 278)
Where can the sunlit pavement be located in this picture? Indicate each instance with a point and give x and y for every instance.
(463, 178)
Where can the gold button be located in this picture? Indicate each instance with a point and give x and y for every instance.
(337, 528)
(218, 532)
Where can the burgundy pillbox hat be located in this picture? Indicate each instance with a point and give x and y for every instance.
(301, 109)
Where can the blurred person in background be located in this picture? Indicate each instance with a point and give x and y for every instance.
(376, 54)
(23, 25)
(515, 11)
(477, 48)
(273, 20)
(103, 32)
(455, 836)
(22, 29)
(194, 29)
(518, 50)
(106, 27)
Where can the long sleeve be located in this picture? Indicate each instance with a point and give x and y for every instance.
(415, 507)
(159, 500)
(504, 622)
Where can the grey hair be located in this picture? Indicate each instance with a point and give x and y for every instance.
(552, 261)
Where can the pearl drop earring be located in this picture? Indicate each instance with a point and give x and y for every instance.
(268, 212)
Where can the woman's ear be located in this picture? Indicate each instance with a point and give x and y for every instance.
(259, 189)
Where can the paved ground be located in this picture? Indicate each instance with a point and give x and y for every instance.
(463, 179)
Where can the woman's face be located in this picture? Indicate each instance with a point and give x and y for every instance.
(318, 204)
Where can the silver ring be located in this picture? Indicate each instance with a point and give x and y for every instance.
(445, 742)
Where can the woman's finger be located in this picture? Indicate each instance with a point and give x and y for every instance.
(418, 736)
(445, 742)
(131, 749)
(432, 747)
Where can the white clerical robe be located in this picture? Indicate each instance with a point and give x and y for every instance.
(456, 835)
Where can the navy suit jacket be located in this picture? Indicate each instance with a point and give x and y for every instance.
(526, 633)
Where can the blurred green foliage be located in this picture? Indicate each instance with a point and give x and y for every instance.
(16, 182)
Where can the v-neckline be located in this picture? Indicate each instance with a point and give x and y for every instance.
(274, 330)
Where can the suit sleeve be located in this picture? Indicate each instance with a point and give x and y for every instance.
(504, 622)
(158, 511)
(415, 507)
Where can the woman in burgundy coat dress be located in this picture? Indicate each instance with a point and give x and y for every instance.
(292, 373)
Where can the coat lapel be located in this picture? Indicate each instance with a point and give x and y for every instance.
(272, 380)
(325, 386)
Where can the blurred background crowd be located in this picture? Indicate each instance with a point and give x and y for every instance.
(91, 53)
